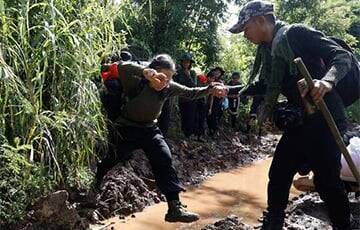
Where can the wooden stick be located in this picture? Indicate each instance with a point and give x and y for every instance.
(329, 119)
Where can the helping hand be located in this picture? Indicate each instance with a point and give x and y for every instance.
(218, 89)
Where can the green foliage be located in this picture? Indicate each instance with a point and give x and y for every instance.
(333, 17)
(174, 26)
(237, 54)
(353, 112)
(20, 181)
(50, 111)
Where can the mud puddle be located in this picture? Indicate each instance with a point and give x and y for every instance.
(241, 192)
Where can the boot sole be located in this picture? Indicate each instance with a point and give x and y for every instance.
(181, 220)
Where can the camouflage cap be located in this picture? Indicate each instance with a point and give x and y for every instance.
(251, 9)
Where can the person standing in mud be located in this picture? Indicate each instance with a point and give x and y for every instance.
(186, 76)
(200, 111)
(234, 99)
(147, 88)
(214, 104)
(311, 138)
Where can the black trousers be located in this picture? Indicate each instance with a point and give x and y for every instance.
(156, 149)
(200, 117)
(233, 110)
(187, 113)
(312, 143)
(213, 120)
(257, 100)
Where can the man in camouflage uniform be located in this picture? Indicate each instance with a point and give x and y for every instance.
(328, 63)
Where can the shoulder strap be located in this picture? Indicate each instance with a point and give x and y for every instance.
(278, 36)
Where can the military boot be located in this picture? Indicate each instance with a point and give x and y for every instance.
(178, 213)
(354, 224)
(272, 224)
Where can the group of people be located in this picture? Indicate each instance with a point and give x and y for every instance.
(306, 140)
(196, 114)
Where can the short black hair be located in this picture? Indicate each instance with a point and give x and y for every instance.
(162, 61)
(235, 74)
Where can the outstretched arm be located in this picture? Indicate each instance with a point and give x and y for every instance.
(216, 89)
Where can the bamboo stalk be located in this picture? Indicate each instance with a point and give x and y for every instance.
(329, 119)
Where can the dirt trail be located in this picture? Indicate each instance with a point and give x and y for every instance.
(240, 191)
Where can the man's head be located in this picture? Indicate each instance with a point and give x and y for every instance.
(125, 55)
(165, 67)
(257, 20)
(218, 72)
(211, 77)
(235, 76)
(186, 61)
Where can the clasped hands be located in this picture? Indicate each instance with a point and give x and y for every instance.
(218, 89)
(159, 81)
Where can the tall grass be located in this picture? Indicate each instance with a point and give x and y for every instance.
(50, 113)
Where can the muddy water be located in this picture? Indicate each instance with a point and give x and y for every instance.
(241, 192)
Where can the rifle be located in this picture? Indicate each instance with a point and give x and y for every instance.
(329, 120)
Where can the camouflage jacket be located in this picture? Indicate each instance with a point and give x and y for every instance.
(262, 63)
(312, 46)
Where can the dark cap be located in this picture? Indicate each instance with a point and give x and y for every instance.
(249, 10)
(235, 75)
(187, 57)
(125, 56)
(218, 68)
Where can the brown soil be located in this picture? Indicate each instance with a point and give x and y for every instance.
(241, 192)
(130, 187)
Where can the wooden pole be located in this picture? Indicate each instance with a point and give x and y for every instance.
(329, 120)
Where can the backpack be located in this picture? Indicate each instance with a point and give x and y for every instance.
(348, 87)
(112, 95)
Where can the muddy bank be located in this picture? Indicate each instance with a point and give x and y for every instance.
(240, 191)
(231, 222)
(306, 212)
(51, 212)
(130, 187)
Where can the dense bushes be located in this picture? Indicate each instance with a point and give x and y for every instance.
(50, 113)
